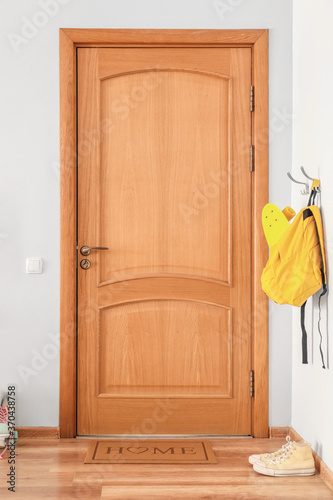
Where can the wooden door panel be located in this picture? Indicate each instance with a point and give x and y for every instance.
(182, 120)
(163, 181)
(165, 348)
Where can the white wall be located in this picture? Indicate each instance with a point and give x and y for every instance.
(29, 190)
(312, 388)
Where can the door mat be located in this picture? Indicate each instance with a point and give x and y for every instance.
(150, 451)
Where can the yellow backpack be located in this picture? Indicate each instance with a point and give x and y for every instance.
(296, 268)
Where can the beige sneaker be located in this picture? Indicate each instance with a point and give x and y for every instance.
(265, 457)
(297, 461)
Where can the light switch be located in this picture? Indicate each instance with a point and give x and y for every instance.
(34, 265)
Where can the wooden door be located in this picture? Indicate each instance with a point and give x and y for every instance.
(164, 315)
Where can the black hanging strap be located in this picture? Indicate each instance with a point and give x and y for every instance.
(320, 296)
(304, 336)
(312, 197)
(319, 319)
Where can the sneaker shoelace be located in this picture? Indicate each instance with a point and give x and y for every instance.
(4, 415)
(282, 458)
(285, 448)
(4, 420)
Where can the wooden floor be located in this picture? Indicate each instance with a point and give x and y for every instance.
(54, 469)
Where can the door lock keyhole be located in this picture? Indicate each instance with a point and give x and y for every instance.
(85, 264)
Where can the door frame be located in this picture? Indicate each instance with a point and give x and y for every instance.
(70, 40)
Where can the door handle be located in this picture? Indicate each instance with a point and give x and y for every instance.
(86, 250)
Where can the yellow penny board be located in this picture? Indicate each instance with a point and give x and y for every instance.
(289, 213)
(275, 222)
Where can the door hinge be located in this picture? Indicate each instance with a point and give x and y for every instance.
(251, 98)
(251, 384)
(251, 158)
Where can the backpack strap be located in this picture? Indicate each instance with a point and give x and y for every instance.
(319, 318)
(324, 291)
(304, 336)
(312, 197)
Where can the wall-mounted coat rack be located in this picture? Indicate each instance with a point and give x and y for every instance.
(315, 182)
